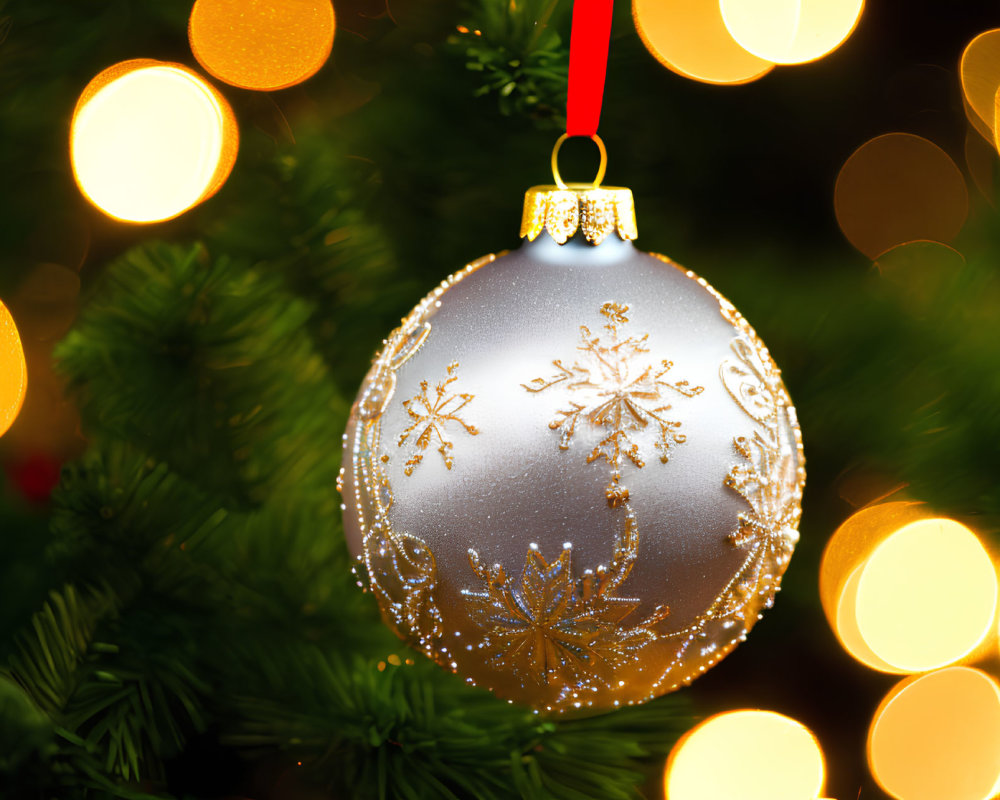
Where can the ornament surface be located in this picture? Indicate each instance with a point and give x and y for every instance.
(573, 475)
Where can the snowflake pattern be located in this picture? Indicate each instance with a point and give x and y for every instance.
(767, 479)
(552, 628)
(617, 390)
(431, 416)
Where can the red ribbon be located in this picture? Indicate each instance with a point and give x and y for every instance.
(588, 64)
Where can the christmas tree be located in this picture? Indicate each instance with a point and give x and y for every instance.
(181, 617)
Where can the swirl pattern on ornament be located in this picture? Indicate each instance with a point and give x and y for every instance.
(770, 479)
(401, 568)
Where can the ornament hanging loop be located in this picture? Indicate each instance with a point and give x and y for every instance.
(600, 170)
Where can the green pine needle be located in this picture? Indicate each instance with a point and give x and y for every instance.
(205, 364)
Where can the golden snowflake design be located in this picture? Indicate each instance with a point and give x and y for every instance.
(431, 416)
(617, 389)
(553, 628)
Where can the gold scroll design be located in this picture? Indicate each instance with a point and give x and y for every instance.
(401, 568)
(563, 212)
(770, 480)
(552, 628)
(614, 387)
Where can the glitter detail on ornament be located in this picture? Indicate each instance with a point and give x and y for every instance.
(563, 211)
(555, 629)
(754, 382)
(770, 480)
(618, 394)
(550, 627)
(432, 415)
(402, 570)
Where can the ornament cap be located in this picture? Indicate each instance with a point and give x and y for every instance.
(564, 210)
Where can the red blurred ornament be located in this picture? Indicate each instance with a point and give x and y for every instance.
(35, 475)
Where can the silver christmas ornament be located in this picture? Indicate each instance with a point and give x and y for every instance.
(573, 474)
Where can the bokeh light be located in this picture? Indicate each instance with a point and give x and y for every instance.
(920, 271)
(843, 561)
(847, 629)
(13, 371)
(979, 69)
(691, 39)
(791, 31)
(751, 755)
(937, 736)
(262, 44)
(46, 301)
(899, 188)
(996, 116)
(927, 595)
(150, 140)
(49, 423)
(981, 163)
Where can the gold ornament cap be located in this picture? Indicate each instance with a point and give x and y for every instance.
(565, 208)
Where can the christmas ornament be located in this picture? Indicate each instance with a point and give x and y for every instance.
(573, 474)
(35, 475)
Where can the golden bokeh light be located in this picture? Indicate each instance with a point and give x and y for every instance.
(262, 44)
(899, 188)
(150, 140)
(847, 629)
(927, 595)
(843, 561)
(768, 756)
(791, 31)
(979, 70)
(691, 39)
(981, 163)
(996, 121)
(937, 736)
(49, 422)
(13, 371)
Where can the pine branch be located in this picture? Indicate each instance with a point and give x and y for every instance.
(25, 731)
(317, 232)
(117, 509)
(123, 707)
(415, 731)
(118, 710)
(51, 650)
(285, 568)
(518, 53)
(205, 365)
(135, 709)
